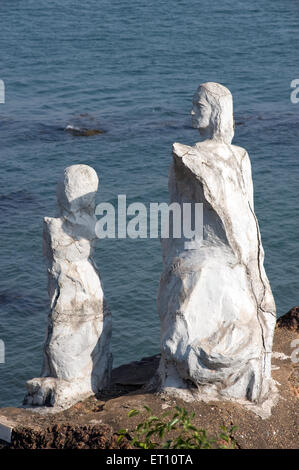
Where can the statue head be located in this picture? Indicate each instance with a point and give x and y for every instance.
(212, 112)
(76, 190)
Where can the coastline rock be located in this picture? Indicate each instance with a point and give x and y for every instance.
(290, 320)
(94, 422)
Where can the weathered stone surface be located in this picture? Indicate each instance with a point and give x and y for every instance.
(215, 303)
(290, 320)
(64, 436)
(77, 358)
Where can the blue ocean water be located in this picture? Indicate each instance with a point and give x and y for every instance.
(133, 68)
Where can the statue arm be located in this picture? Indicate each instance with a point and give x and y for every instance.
(247, 176)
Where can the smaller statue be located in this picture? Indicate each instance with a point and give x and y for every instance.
(77, 359)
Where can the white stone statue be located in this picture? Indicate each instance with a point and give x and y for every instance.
(77, 359)
(215, 303)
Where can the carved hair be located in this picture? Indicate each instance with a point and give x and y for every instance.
(221, 102)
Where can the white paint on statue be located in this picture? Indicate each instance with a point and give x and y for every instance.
(215, 303)
(77, 358)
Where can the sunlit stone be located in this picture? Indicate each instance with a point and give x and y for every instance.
(77, 358)
(215, 303)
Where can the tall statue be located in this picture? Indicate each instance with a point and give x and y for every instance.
(77, 359)
(215, 303)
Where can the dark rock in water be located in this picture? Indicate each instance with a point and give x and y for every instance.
(83, 131)
(84, 124)
(290, 320)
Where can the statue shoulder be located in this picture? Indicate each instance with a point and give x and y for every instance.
(240, 151)
(180, 149)
(187, 152)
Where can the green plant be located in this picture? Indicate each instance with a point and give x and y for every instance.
(226, 436)
(154, 428)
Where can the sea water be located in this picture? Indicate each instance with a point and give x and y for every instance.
(131, 68)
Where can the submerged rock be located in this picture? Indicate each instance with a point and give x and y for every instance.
(83, 131)
(84, 125)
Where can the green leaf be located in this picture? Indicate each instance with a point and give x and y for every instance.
(133, 413)
(152, 418)
(122, 431)
(167, 444)
(161, 433)
(173, 422)
(191, 427)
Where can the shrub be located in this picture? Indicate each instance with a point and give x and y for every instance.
(154, 428)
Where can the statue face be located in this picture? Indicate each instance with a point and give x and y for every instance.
(201, 111)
